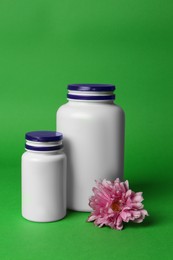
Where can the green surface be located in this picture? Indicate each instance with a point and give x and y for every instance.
(46, 44)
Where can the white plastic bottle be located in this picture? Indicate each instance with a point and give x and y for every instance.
(44, 177)
(93, 130)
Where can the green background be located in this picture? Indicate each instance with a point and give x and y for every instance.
(47, 44)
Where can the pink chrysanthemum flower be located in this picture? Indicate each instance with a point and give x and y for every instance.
(113, 202)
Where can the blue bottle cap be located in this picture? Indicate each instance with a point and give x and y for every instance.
(44, 136)
(91, 87)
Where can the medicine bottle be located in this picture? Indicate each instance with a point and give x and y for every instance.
(44, 177)
(93, 129)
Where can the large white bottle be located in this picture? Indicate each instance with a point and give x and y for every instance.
(93, 130)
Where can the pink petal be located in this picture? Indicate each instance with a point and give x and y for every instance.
(128, 193)
(138, 197)
(126, 183)
(125, 215)
(91, 218)
(119, 225)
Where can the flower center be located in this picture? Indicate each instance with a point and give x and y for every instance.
(116, 206)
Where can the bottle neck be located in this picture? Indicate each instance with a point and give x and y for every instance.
(91, 96)
(90, 102)
(43, 147)
(46, 152)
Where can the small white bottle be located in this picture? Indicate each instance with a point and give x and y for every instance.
(93, 129)
(44, 177)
